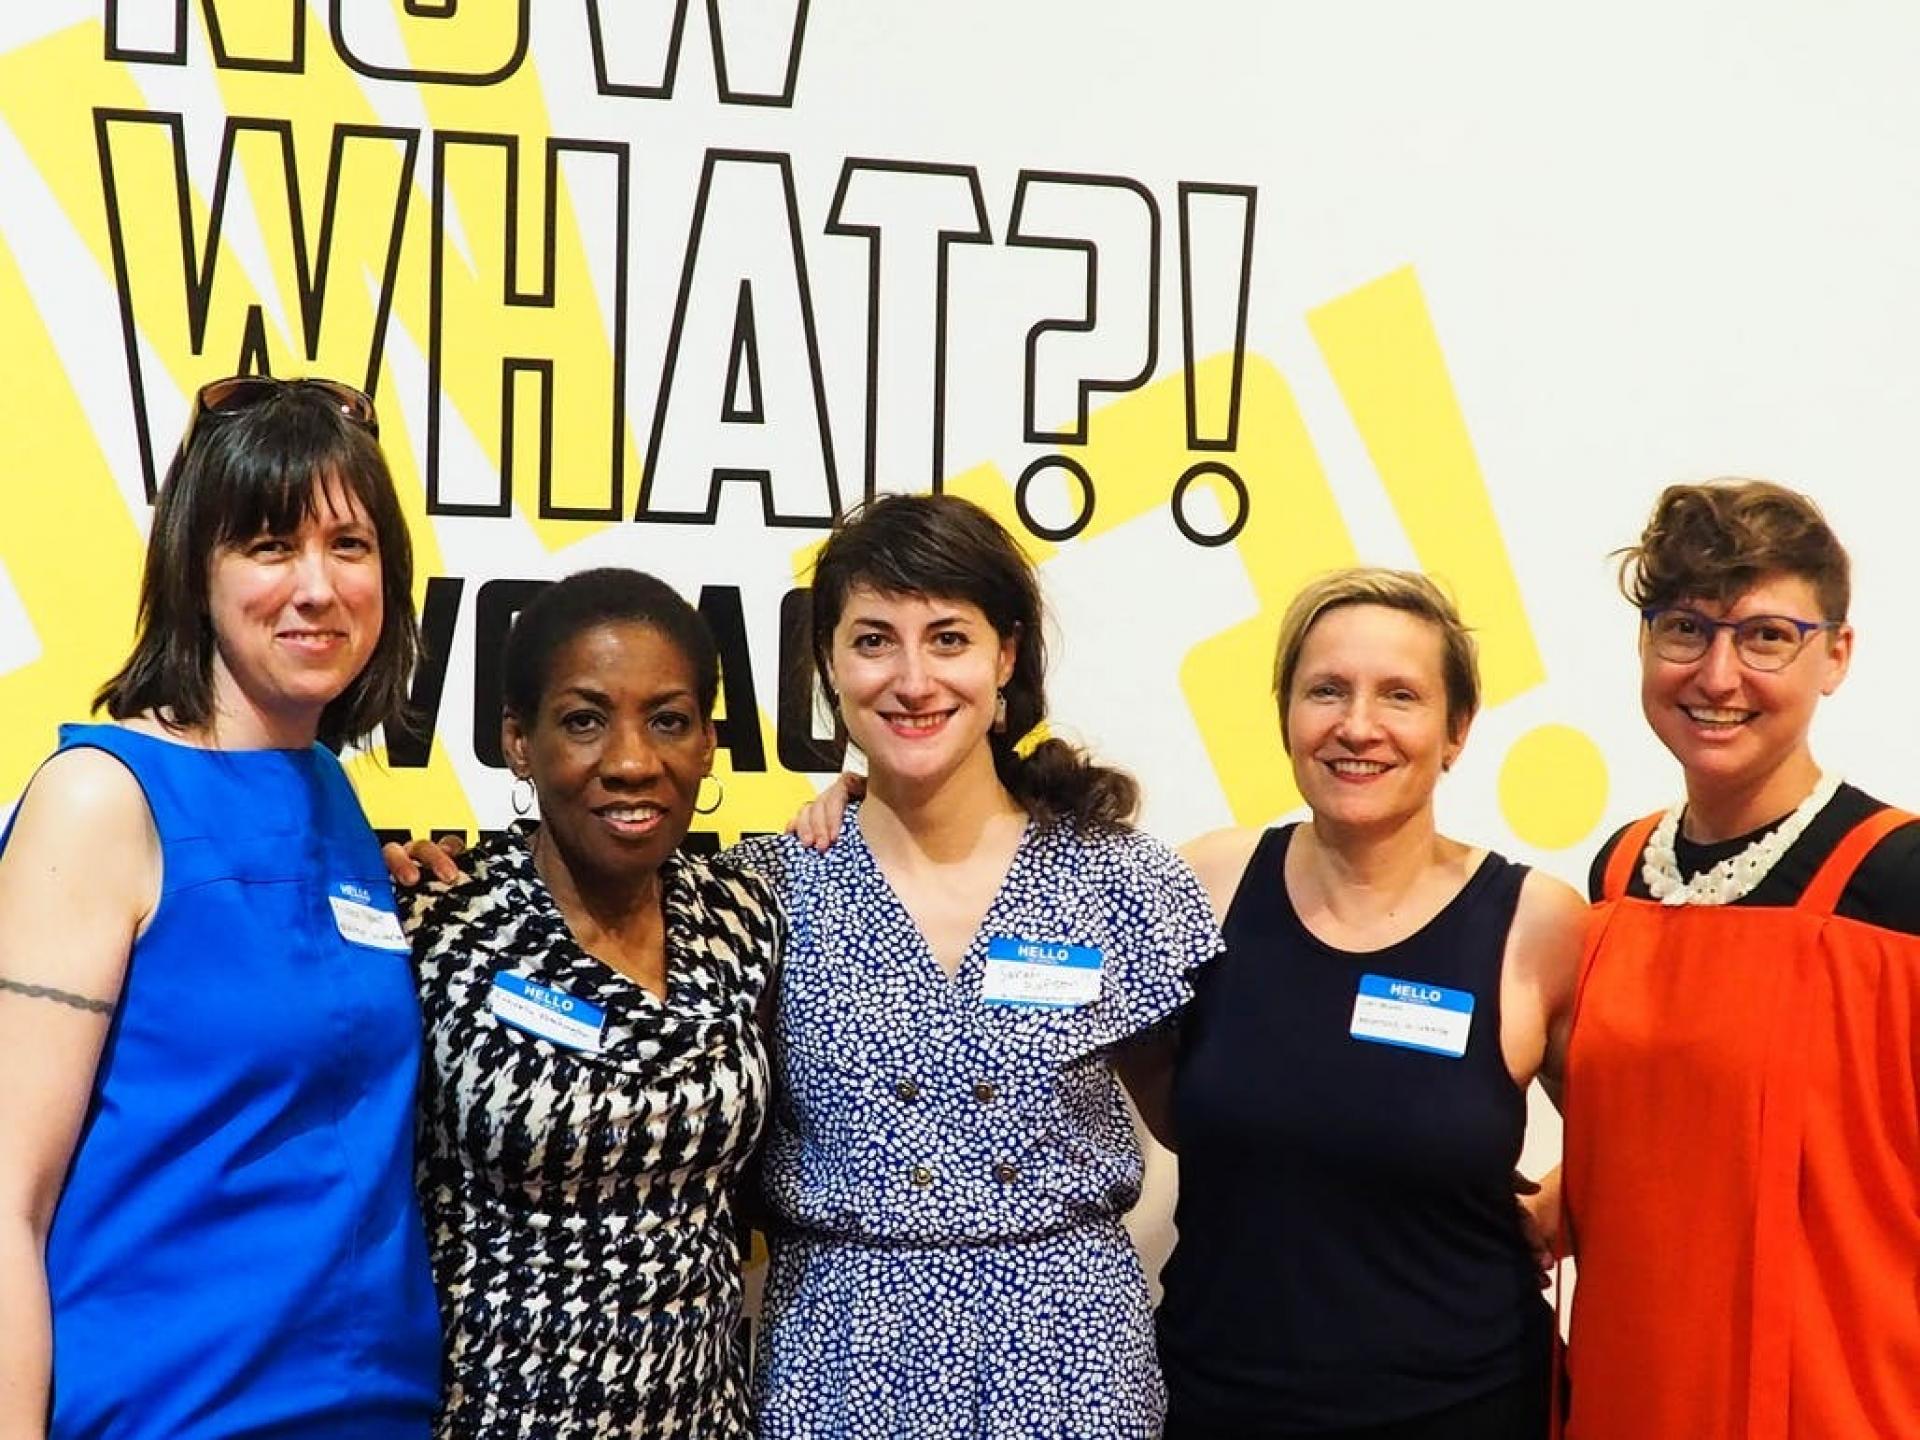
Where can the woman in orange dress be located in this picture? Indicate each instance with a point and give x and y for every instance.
(1742, 1173)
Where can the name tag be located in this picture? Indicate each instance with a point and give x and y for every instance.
(1040, 974)
(544, 1011)
(365, 918)
(1410, 1014)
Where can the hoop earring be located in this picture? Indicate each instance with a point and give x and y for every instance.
(521, 800)
(1000, 712)
(719, 798)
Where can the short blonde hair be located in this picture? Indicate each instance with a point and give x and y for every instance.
(1405, 590)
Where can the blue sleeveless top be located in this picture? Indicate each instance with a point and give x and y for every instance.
(237, 1250)
(1350, 1252)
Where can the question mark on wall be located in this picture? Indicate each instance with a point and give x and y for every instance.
(1112, 345)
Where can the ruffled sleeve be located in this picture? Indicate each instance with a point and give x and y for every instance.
(1141, 905)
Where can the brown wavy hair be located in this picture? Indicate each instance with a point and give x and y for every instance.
(1717, 540)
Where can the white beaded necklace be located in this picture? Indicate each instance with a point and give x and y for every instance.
(1737, 874)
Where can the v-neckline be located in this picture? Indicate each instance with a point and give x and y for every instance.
(946, 982)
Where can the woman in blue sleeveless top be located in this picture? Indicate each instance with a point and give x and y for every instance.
(207, 1223)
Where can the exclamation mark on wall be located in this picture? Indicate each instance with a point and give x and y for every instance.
(1380, 345)
(1216, 276)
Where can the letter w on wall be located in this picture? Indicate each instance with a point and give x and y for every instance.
(262, 290)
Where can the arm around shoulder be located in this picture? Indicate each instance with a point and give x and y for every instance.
(79, 877)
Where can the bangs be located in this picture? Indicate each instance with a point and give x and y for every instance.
(274, 489)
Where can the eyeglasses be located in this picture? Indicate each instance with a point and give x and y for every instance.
(237, 394)
(1763, 642)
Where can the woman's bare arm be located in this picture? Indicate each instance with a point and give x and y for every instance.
(79, 878)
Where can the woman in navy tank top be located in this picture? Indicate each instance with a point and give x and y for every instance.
(1350, 1093)
(207, 1222)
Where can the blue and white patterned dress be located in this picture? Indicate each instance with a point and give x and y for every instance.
(949, 1174)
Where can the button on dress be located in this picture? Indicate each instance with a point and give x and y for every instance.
(949, 1174)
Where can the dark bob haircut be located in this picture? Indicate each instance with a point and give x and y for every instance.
(1718, 540)
(608, 596)
(943, 547)
(263, 471)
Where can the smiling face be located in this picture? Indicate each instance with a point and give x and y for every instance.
(616, 750)
(295, 618)
(917, 678)
(1739, 733)
(1366, 716)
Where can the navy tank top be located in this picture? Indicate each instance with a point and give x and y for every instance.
(237, 1250)
(1349, 1249)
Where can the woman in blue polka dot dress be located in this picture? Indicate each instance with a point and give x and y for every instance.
(971, 966)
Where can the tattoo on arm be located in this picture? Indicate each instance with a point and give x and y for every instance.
(59, 997)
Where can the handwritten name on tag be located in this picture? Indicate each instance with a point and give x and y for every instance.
(1412, 1014)
(364, 916)
(551, 1014)
(1040, 974)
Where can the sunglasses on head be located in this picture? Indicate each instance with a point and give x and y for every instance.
(237, 394)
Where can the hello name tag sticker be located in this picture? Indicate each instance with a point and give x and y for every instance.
(542, 1010)
(365, 918)
(1413, 1015)
(1040, 974)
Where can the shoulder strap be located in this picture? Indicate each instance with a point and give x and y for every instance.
(1830, 881)
(1261, 891)
(1626, 855)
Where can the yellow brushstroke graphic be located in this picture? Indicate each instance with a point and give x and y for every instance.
(48, 92)
(68, 544)
(1381, 347)
(1385, 356)
(1136, 450)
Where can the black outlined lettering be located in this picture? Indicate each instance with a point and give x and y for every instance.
(1100, 217)
(1216, 281)
(756, 48)
(146, 32)
(278, 40)
(740, 396)
(432, 42)
(737, 730)
(911, 215)
(439, 621)
(161, 284)
(557, 376)
(693, 448)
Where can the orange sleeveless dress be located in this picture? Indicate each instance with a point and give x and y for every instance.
(1743, 1166)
